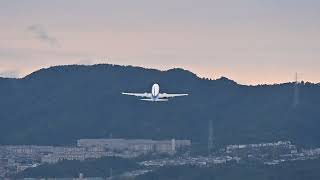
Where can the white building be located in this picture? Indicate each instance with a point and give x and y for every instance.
(140, 145)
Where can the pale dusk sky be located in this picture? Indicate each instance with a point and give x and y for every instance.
(249, 41)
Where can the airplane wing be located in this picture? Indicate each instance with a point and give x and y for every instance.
(144, 95)
(165, 95)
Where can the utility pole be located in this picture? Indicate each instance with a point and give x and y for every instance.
(110, 174)
(210, 137)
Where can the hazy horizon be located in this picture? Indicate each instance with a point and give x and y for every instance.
(250, 42)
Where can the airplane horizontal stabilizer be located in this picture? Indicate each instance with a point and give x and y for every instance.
(154, 100)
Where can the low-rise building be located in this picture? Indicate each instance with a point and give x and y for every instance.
(139, 145)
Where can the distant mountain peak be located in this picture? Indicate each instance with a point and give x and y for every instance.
(226, 80)
(182, 71)
(54, 70)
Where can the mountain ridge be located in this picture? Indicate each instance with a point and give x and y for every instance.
(222, 78)
(58, 105)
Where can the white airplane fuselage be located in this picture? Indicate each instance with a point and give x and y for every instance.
(155, 92)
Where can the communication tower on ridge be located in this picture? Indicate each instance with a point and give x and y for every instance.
(296, 92)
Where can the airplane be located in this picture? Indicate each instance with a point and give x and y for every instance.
(155, 94)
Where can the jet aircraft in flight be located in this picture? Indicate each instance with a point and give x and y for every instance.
(155, 95)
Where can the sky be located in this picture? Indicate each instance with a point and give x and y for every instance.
(249, 41)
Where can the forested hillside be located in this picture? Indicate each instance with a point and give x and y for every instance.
(58, 105)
